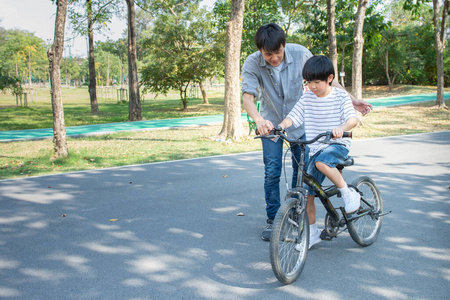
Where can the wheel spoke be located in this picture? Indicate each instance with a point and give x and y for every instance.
(364, 228)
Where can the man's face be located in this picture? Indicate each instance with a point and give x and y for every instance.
(274, 58)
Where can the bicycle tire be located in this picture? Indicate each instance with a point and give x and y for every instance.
(365, 230)
(287, 261)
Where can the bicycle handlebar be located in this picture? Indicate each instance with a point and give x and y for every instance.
(279, 132)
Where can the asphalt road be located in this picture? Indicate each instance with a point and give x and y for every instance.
(172, 231)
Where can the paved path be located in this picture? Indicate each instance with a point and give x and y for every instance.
(178, 236)
(14, 135)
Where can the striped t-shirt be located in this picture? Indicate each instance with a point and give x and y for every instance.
(320, 114)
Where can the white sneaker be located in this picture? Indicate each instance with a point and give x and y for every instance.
(314, 238)
(351, 201)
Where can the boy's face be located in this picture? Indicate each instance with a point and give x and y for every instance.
(319, 87)
(274, 58)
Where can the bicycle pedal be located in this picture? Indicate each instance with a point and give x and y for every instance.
(324, 236)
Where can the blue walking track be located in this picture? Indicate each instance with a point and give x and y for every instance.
(97, 129)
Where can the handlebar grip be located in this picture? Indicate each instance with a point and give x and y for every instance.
(348, 134)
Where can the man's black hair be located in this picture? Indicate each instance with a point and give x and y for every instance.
(318, 67)
(270, 37)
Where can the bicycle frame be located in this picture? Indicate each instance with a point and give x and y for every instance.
(323, 195)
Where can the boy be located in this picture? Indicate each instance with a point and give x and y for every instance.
(324, 108)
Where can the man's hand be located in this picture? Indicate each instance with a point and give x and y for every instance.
(362, 106)
(264, 127)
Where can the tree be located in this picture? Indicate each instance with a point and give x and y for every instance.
(54, 57)
(11, 83)
(439, 39)
(358, 44)
(439, 36)
(22, 55)
(232, 124)
(388, 51)
(181, 49)
(256, 14)
(332, 45)
(96, 13)
(118, 49)
(134, 104)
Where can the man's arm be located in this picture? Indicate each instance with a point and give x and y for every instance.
(360, 105)
(264, 126)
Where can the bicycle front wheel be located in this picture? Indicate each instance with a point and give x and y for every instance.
(289, 241)
(365, 229)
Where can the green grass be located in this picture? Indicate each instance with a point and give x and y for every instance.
(30, 158)
(77, 109)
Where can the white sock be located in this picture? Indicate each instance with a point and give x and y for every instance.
(344, 190)
(313, 228)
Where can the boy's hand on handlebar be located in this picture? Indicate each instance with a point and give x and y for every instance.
(337, 133)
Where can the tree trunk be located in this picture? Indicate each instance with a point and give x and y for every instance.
(386, 68)
(134, 105)
(343, 65)
(232, 124)
(92, 79)
(205, 97)
(54, 57)
(331, 9)
(358, 45)
(107, 73)
(29, 71)
(439, 37)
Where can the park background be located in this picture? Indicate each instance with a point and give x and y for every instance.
(399, 58)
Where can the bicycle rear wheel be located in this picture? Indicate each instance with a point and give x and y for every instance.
(364, 230)
(289, 241)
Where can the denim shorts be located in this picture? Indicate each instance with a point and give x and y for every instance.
(331, 156)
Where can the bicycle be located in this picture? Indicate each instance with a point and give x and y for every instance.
(289, 241)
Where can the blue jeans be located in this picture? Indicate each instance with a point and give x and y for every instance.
(273, 164)
(331, 156)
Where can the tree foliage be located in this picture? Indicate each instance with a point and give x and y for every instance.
(180, 48)
(256, 14)
(20, 53)
(10, 83)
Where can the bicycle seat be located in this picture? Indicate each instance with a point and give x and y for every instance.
(348, 162)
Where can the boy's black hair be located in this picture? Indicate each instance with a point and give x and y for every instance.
(318, 67)
(270, 37)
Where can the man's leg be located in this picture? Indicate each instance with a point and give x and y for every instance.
(272, 155)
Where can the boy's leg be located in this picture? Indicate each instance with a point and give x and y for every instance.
(326, 163)
(331, 173)
(314, 232)
(311, 210)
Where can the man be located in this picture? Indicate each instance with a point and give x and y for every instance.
(274, 73)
